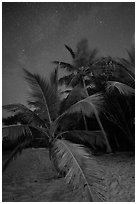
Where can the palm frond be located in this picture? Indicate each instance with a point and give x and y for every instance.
(122, 88)
(67, 91)
(43, 95)
(71, 51)
(77, 79)
(26, 114)
(66, 79)
(54, 79)
(15, 132)
(93, 55)
(15, 153)
(89, 105)
(121, 113)
(82, 170)
(75, 95)
(64, 65)
(131, 55)
(125, 65)
(90, 138)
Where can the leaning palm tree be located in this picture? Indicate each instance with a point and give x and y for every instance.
(81, 169)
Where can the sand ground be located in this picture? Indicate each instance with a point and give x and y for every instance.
(32, 178)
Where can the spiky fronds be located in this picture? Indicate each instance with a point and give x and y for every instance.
(15, 153)
(122, 88)
(82, 170)
(88, 105)
(43, 95)
(67, 66)
(71, 51)
(14, 132)
(66, 79)
(28, 115)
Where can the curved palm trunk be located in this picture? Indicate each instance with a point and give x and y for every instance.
(85, 122)
(84, 118)
(84, 85)
(104, 133)
(100, 124)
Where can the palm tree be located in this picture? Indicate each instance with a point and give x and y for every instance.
(80, 69)
(119, 94)
(81, 169)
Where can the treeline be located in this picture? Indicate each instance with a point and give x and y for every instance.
(89, 74)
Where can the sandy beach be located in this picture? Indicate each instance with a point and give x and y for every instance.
(32, 178)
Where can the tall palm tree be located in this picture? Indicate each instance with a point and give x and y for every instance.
(80, 69)
(81, 169)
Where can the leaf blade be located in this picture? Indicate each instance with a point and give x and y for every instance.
(73, 159)
(44, 96)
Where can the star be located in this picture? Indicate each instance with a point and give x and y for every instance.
(18, 24)
(99, 21)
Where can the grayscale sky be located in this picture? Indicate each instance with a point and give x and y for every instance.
(34, 34)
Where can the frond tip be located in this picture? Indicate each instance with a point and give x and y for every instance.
(14, 132)
(26, 114)
(82, 170)
(122, 88)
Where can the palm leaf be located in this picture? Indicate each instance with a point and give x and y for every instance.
(82, 170)
(122, 88)
(93, 104)
(43, 95)
(84, 137)
(124, 65)
(54, 79)
(64, 65)
(67, 91)
(71, 51)
(75, 95)
(30, 116)
(77, 79)
(92, 56)
(66, 79)
(117, 112)
(89, 105)
(15, 152)
(131, 55)
(15, 132)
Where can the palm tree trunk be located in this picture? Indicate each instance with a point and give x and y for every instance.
(84, 85)
(84, 118)
(85, 122)
(100, 124)
(104, 133)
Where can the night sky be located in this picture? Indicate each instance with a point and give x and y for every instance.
(34, 34)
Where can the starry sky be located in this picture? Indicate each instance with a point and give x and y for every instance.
(34, 34)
